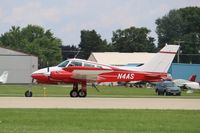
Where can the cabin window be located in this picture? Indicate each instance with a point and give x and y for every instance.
(105, 67)
(75, 63)
(99, 67)
(89, 65)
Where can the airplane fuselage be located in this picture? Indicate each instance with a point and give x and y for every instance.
(82, 71)
(109, 74)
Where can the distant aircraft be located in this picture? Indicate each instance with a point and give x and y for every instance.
(82, 71)
(193, 78)
(189, 84)
(3, 77)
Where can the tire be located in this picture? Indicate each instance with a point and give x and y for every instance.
(82, 93)
(28, 94)
(157, 92)
(164, 93)
(73, 93)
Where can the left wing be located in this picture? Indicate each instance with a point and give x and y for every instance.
(89, 75)
(86, 73)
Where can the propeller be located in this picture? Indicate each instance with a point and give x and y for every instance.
(48, 69)
(48, 73)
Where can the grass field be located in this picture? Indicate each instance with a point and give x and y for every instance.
(105, 91)
(98, 121)
(95, 120)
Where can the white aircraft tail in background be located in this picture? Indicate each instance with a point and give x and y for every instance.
(189, 84)
(4, 77)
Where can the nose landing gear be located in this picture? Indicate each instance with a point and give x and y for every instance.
(28, 93)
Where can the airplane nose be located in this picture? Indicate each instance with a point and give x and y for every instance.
(35, 75)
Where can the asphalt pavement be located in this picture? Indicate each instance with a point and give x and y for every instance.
(99, 103)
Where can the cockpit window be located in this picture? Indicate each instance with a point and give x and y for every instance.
(63, 64)
(75, 63)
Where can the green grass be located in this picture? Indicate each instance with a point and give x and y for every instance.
(98, 121)
(105, 91)
(95, 120)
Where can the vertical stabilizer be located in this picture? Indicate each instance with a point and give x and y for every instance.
(193, 78)
(4, 77)
(162, 60)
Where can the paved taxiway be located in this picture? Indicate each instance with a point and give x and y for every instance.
(99, 103)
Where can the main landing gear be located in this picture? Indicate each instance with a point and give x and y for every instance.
(79, 93)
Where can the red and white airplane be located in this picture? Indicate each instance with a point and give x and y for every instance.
(188, 84)
(78, 71)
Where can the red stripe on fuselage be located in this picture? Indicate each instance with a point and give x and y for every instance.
(165, 52)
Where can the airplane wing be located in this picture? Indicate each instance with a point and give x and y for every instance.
(87, 73)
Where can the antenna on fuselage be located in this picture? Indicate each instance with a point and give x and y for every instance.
(77, 54)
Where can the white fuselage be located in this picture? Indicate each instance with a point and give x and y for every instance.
(186, 83)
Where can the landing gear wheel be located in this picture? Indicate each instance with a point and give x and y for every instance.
(28, 93)
(73, 93)
(82, 93)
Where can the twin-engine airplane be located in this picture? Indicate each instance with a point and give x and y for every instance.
(82, 71)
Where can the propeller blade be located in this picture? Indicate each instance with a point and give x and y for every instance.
(48, 72)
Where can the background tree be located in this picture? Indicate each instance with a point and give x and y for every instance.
(181, 25)
(91, 42)
(133, 40)
(34, 40)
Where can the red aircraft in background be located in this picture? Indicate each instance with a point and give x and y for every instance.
(78, 71)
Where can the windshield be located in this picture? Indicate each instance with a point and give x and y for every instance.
(63, 64)
(170, 84)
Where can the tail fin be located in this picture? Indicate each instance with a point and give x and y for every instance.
(3, 77)
(162, 60)
(192, 78)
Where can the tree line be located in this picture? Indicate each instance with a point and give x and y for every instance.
(181, 26)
